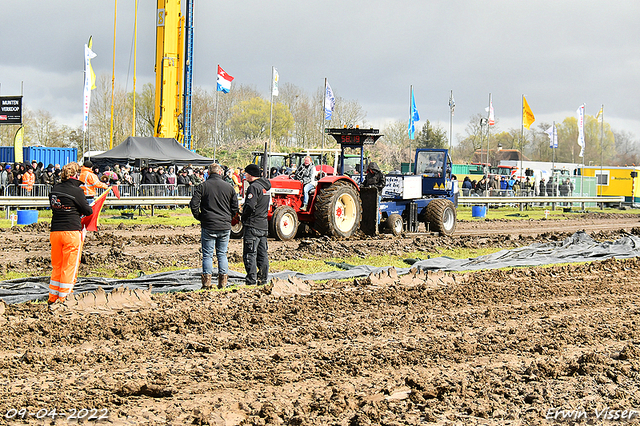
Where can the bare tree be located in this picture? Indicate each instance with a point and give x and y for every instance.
(474, 139)
(627, 151)
(100, 118)
(394, 147)
(145, 110)
(300, 106)
(202, 119)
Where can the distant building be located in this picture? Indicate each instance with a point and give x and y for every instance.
(498, 155)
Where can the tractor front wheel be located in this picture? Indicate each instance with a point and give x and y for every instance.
(284, 223)
(338, 210)
(440, 213)
(237, 229)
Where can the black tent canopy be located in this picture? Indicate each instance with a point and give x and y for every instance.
(153, 151)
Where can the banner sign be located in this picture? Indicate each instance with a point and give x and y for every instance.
(10, 109)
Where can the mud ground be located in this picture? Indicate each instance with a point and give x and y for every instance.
(494, 347)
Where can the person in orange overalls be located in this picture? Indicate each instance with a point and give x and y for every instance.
(68, 204)
(90, 181)
(28, 179)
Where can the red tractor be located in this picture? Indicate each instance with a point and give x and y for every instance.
(335, 207)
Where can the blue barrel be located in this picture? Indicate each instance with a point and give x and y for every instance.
(27, 217)
(478, 211)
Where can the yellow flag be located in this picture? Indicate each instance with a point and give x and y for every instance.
(527, 115)
(599, 113)
(92, 75)
(17, 145)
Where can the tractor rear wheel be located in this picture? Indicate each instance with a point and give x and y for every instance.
(284, 223)
(338, 210)
(394, 224)
(440, 213)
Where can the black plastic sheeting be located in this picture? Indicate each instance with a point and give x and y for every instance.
(580, 247)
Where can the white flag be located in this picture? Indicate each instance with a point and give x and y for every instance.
(89, 83)
(489, 109)
(552, 132)
(452, 103)
(580, 113)
(329, 102)
(274, 90)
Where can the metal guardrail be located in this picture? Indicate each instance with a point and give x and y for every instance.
(137, 202)
(42, 202)
(551, 201)
(142, 190)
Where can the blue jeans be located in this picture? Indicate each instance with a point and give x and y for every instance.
(220, 241)
(308, 187)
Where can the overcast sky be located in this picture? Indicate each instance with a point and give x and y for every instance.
(558, 53)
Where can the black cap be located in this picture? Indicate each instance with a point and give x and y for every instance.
(253, 170)
(88, 163)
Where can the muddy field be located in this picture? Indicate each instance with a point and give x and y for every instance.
(494, 347)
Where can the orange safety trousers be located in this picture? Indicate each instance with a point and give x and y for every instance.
(66, 248)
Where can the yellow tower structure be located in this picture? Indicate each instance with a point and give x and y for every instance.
(169, 70)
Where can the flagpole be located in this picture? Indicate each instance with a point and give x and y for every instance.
(553, 147)
(87, 84)
(601, 153)
(584, 107)
(522, 136)
(488, 127)
(450, 124)
(84, 134)
(410, 121)
(270, 120)
(215, 127)
(324, 101)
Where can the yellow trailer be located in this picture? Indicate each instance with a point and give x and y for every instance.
(616, 181)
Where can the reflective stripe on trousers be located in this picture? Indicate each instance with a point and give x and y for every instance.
(66, 248)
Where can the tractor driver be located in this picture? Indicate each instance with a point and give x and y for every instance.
(306, 173)
(434, 168)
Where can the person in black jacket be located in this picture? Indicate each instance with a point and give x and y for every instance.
(47, 177)
(214, 203)
(374, 177)
(256, 228)
(68, 204)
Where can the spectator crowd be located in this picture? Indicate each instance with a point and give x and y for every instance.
(496, 185)
(33, 179)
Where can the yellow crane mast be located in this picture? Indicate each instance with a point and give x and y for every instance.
(169, 70)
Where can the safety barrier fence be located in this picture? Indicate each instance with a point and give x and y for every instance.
(551, 202)
(9, 203)
(43, 190)
(130, 201)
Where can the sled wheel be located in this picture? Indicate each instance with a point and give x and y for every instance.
(394, 224)
(440, 213)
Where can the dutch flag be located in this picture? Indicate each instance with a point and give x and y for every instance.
(224, 80)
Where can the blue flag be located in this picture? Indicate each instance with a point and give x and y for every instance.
(413, 117)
